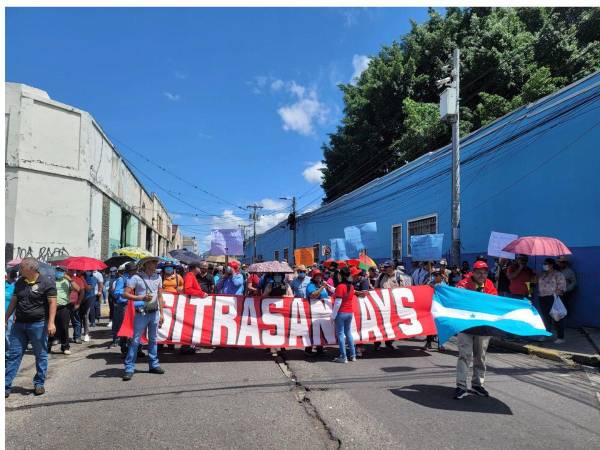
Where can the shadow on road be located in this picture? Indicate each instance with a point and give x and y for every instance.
(440, 397)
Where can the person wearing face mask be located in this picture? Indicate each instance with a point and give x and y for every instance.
(64, 285)
(300, 283)
(550, 283)
(327, 278)
(127, 270)
(89, 299)
(232, 282)
(473, 343)
(172, 281)
(275, 286)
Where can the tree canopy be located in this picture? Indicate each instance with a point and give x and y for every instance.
(509, 57)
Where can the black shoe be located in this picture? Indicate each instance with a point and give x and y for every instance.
(39, 390)
(480, 390)
(308, 351)
(390, 345)
(127, 376)
(460, 393)
(158, 370)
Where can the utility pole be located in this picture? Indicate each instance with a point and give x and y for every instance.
(254, 218)
(292, 222)
(449, 109)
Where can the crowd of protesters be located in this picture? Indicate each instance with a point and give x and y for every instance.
(39, 310)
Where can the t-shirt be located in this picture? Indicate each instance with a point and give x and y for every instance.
(312, 287)
(206, 282)
(32, 299)
(63, 289)
(254, 280)
(517, 285)
(9, 289)
(93, 282)
(172, 282)
(74, 295)
(299, 286)
(347, 296)
(136, 283)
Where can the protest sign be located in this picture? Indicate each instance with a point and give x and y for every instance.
(304, 256)
(338, 249)
(498, 241)
(226, 242)
(229, 320)
(426, 247)
(360, 237)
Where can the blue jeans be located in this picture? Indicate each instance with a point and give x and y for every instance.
(21, 335)
(9, 325)
(75, 321)
(142, 322)
(343, 323)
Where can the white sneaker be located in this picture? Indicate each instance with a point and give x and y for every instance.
(86, 338)
(67, 352)
(559, 341)
(109, 325)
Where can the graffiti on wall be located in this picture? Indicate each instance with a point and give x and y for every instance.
(42, 254)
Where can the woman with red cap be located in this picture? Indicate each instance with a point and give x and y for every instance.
(317, 291)
(343, 314)
(232, 281)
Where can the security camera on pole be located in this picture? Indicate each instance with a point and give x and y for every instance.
(449, 110)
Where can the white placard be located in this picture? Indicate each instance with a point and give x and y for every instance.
(498, 241)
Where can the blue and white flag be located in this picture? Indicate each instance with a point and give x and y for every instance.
(455, 310)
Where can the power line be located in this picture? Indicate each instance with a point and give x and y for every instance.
(164, 169)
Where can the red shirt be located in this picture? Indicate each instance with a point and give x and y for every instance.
(517, 285)
(468, 283)
(347, 297)
(74, 295)
(191, 286)
(254, 280)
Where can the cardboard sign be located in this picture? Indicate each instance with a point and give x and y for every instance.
(498, 241)
(304, 256)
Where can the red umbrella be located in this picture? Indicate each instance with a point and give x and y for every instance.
(353, 262)
(537, 246)
(328, 262)
(81, 263)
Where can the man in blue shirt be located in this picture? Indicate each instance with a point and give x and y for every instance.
(300, 283)
(120, 304)
(89, 299)
(232, 281)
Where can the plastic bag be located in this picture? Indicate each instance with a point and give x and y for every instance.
(558, 310)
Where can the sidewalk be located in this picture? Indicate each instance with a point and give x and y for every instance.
(582, 346)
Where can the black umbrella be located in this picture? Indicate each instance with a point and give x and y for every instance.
(185, 256)
(116, 261)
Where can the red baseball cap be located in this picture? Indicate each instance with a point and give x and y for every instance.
(315, 272)
(234, 265)
(355, 271)
(480, 265)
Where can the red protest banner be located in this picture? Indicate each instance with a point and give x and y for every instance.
(226, 320)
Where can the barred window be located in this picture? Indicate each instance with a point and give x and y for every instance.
(421, 225)
(397, 242)
(276, 255)
(286, 254)
(317, 252)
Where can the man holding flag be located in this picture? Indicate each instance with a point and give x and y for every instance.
(471, 345)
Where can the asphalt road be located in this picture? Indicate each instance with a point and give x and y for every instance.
(245, 398)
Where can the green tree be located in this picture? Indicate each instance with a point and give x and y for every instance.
(509, 57)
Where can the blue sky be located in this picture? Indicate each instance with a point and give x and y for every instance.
(235, 100)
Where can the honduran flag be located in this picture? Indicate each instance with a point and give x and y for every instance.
(455, 310)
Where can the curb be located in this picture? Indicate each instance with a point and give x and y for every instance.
(546, 353)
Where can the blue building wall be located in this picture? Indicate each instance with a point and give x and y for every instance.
(535, 171)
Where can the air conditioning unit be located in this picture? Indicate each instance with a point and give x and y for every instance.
(448, 103)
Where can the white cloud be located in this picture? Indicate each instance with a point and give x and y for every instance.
(360, 64)
(277, 85)
(172, 97)
(202, 135)
(269, 221)
(270, 204)
(313, 173)
(301, 115)
(296, 89)
(258, 83)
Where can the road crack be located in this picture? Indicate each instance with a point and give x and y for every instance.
(302, 394)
